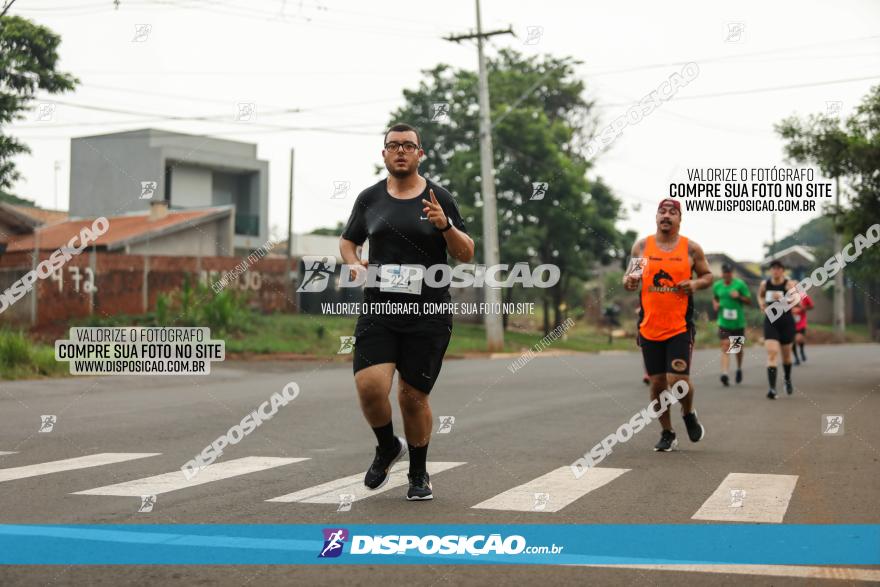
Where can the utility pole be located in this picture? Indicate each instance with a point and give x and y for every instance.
(772, 233)
(491, 255)
(57, 167)
(839, 291)
(288, 265)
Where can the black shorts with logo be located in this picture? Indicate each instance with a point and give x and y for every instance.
(672, 355)
(416, 347)
(726, 333)
(782, 329)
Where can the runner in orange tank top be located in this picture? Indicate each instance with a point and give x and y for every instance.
(665, 263)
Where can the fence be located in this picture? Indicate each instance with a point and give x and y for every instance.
(99, 283)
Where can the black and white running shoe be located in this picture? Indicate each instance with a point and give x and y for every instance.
(695, 430)
(725, 380)
(419, 487)
(667, 442)
(377, 474)
(771, 394)
(789, 388)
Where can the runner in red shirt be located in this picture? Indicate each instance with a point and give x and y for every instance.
(800, 327)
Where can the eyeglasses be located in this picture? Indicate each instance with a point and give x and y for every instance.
(408, 147)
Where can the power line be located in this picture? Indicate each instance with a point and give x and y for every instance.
(6, 7)
(758, 90)
(730, 57)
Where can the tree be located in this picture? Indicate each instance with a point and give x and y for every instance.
(340, 226)
(28, 61)
(849, 150)
(540, 122)
(815, 233)
(12, 199)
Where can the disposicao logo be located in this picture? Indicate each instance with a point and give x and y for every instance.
(334, 541)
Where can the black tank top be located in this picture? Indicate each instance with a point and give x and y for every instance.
(770, 286)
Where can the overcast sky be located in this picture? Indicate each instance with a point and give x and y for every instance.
(346, 63)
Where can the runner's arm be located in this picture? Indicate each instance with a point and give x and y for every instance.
(792, 295)
(746, 297)
(701, 268)
(459, 244)
(762, 292)
(348, 252)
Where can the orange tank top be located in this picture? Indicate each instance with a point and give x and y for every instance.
(665, 311)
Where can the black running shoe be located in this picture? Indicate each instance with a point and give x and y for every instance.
(695, 430)
(771, 394)
(739, 376)
(725, 380)
(797, 361)
(667, 442)
(377, 474)
(789, 388)
(419, 487)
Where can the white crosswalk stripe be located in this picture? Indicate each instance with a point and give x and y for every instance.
(353, 485)
(746, 497)
(95, 460)
(551, 492)
(740, 497)
(7, 452)
(175, 480)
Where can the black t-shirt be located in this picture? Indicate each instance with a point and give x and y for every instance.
(400, 234)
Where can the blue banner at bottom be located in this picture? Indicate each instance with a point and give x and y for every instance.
(543, 544)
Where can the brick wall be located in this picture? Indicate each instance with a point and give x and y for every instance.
(109, 284)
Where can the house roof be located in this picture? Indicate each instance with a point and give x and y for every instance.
(123, 230)
(42, 215)
(741, 267)
(24, 219)
(791, 256)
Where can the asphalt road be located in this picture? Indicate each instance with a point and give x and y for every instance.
(510, 430)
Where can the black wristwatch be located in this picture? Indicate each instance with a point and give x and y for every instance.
(448, 225)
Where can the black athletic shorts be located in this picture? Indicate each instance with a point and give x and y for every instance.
(726, 333)
(781, 330)
(672, 355)
(416, 347)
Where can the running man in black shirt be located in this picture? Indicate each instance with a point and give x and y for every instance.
(410, 223)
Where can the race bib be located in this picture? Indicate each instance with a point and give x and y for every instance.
(729, 313)
(405, 279)
(770, 296)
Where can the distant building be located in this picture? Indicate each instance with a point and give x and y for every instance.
(311, 244)
(798, 261)
(741, 269)
(198, 233)
(118, 173)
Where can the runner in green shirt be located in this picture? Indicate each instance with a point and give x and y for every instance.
(730, 295)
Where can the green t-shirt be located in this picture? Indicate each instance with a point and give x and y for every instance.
(730, 310)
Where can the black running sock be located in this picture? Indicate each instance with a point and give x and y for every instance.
(417, 457)
(385, 436)
(803, 354)
(787, 369)
(771, 376)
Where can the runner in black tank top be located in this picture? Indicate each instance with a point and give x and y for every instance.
(778, 333)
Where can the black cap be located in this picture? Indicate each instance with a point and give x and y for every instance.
(777, 263)
(726, 268)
